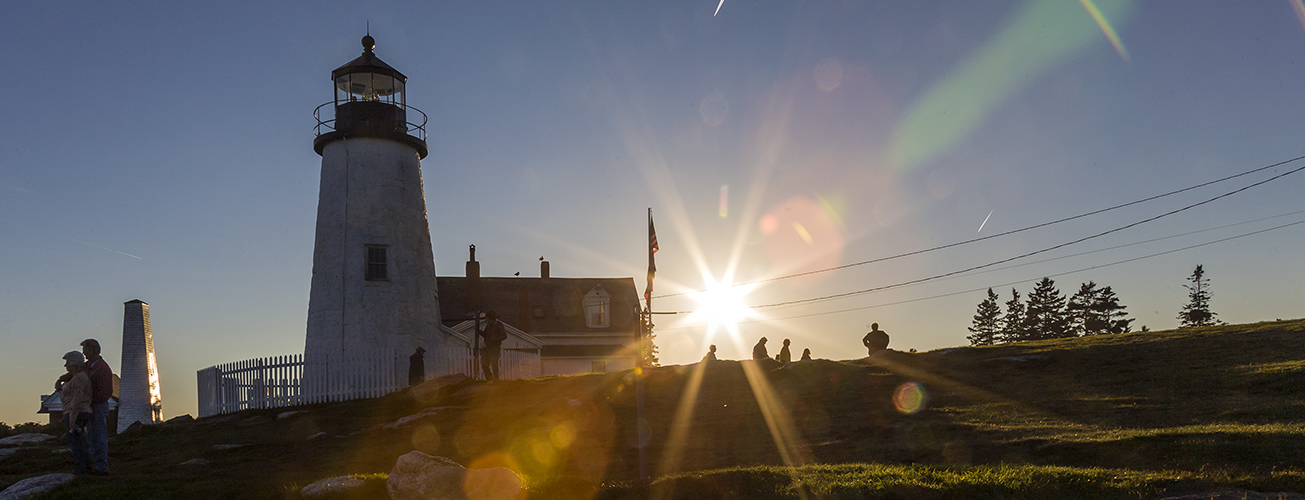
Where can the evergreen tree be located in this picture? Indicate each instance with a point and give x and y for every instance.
(1108, 309)
(649, 346)
(987, 322)
(1197, 311)
(1012, 324)
(1081, 311)
(1045, 316)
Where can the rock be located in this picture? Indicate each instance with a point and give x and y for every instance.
(474, 389)
(254, 420)
(317, 436)
(133, 428)
(221, 420)
(413, 419)
(221, 447)
(196, 461)
(1027, 360)
(287, 414)
(34, 486)
(25, 439)
(431, 390)
(183, 419)
(5, 452)
(335, 487)
(418, 476)
(62, 450)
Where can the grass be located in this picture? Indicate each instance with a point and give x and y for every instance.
(1123, 416)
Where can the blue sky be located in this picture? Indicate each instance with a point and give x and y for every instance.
(163, 152)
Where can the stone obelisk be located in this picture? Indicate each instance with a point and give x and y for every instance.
(138, 391)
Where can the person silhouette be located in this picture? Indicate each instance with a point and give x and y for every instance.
(876, 340)
(759, 351)
(711, 353)
(785, 357)
(806, 355)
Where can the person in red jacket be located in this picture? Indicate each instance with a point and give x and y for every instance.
(101, 389)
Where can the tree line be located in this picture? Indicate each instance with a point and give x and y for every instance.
(1093, 310)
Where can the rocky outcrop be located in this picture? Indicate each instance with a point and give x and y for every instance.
(25, 439)
(410, 420)
(34, 486)
(335, 487)
(418, 476)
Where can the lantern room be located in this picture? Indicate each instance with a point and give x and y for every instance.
(369, 102)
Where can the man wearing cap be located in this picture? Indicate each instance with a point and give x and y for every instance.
(76, 401)
(417, 366)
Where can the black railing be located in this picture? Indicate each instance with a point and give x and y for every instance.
(325, 126)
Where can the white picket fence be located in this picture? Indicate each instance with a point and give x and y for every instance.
(281, 381)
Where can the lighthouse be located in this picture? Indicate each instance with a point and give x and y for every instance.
(373, 288)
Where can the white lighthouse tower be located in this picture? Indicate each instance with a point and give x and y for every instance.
(373, 291)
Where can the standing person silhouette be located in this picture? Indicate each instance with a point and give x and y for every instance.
(101, 390)
(417, 366)
(76, 397)
(494, 334)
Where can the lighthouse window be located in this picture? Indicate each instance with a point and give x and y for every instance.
(376, 270)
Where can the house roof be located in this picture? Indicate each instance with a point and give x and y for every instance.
(541, 306)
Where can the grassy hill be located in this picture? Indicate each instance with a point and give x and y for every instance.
(1137, 415)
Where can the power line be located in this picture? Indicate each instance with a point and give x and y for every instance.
(1035, 252)
(1116, 247)
(950, 294)
(991, 236)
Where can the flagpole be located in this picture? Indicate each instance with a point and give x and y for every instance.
(639, 365)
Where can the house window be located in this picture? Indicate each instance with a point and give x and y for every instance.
(376, 269)
(598, 308)
(598, 366)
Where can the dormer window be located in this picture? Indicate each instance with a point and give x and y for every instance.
(598, 308)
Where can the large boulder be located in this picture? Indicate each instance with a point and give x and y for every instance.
(335, 487)
(34, 486)
(25, 439)
(418, 476)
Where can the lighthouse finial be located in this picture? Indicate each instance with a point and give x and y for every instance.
(368, 43)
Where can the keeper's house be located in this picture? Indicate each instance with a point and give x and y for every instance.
(586, 325)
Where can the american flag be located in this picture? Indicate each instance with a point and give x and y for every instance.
(652, 264)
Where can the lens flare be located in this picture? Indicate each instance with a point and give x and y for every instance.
(1040, 36)
(910, 398)
(1106, 28)
(562, 435)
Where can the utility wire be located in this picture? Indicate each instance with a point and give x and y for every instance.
(980, 289)
(1013, 231)
(1035, 252)
(1116, 247)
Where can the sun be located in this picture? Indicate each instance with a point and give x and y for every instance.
(721, 305)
